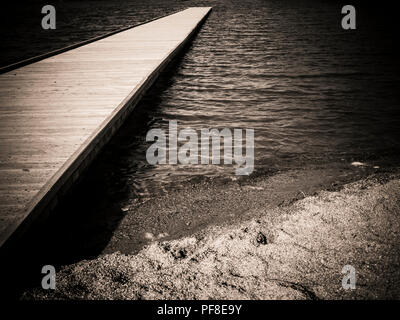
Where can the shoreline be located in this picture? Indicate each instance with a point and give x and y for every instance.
(208, 202)
(290, 250)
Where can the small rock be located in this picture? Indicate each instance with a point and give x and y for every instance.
(179, 254)
(162, 235)
(357, 164)
(149, 236)
(261, 238)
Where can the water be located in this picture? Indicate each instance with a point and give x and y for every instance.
(313, 92)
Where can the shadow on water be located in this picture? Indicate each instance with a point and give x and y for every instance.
(82, 224)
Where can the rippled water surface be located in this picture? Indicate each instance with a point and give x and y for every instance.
(313, 92)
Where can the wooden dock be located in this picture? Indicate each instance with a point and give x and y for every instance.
(57, 113)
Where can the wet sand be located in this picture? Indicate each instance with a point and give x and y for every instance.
(265, 248)
(204, 202)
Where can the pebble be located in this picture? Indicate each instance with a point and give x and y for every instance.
(357, 164)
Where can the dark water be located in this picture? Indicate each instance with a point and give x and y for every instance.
(311, 91)
(314, 93)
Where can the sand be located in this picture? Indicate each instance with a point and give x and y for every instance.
(293, 250)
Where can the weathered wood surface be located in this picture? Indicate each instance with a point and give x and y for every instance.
(55, 114)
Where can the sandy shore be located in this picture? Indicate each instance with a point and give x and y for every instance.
(293, 250)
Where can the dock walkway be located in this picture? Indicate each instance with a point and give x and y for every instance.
(57, 113)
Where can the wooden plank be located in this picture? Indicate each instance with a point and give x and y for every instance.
(56, 113)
